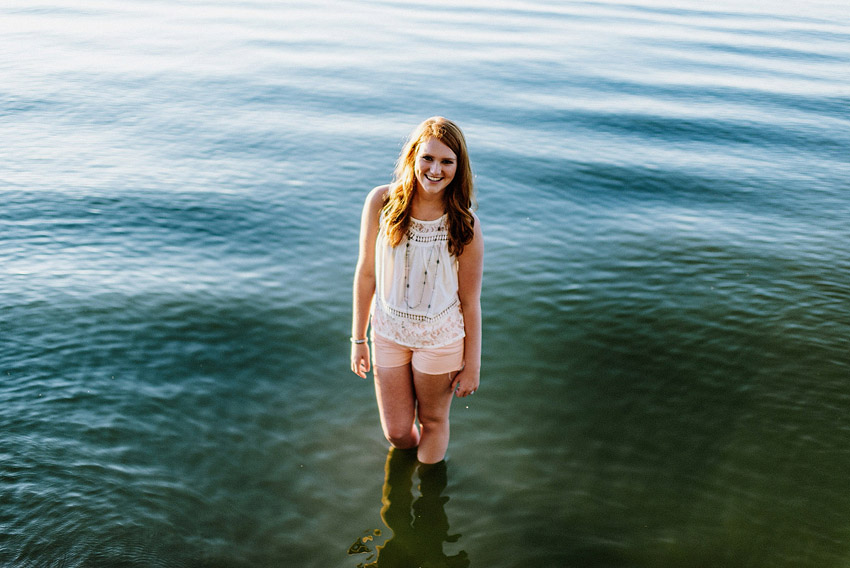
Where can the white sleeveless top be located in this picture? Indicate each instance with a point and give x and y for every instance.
(416, 300)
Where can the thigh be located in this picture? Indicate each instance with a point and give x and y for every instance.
(396, 396)
(434, 394)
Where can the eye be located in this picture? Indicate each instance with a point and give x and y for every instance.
(427, 158)
(448, 162)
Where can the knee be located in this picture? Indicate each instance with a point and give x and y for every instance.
(401, 438)
(431, 422)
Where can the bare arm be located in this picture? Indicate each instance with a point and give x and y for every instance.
(469, 272)
(364, 280)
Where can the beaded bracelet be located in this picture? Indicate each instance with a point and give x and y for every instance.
(358, 341)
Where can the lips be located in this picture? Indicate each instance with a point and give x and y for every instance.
(433, 179)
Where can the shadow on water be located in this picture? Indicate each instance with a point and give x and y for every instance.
(418, 527)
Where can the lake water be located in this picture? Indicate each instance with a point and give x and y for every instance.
(663, 187)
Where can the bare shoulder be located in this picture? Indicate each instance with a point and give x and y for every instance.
(474, 249)
(373, 205)
(477, 221)
(375, 199)
(477, 232)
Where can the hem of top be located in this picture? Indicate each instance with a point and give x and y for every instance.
(449, 342)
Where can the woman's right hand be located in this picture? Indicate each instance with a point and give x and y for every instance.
(360, 361)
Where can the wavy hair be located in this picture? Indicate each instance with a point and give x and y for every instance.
(457, 197)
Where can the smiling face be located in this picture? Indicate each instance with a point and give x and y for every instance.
(435, 168)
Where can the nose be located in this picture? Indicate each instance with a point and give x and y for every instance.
(435, 167)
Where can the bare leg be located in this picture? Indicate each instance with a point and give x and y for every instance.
(434, 393)
(397, 405)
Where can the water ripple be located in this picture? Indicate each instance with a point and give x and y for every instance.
(663, 193)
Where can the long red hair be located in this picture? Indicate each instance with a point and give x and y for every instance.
(457, 197)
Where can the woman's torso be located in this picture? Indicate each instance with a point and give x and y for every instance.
(416, 287)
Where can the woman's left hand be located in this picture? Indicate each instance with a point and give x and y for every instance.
(466, 382)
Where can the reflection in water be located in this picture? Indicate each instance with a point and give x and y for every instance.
(418, 528)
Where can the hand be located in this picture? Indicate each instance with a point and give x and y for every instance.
(360, 361)
(466, 382)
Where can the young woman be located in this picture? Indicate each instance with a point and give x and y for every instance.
(419, 271)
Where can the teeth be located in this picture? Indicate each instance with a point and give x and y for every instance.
(433, 178)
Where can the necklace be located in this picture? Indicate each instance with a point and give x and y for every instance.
(431, 265)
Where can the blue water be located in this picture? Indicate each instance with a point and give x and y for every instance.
(663, 190)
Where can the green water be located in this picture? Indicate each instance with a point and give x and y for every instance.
(663, 193)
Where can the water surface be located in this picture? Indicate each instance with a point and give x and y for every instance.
(663, 189)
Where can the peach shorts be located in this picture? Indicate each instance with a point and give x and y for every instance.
(428, 360)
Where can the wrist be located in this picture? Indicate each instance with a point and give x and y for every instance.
(357, 341)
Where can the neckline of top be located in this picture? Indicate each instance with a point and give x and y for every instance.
(437, 220)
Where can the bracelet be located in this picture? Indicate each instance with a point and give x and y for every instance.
(358, 341)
